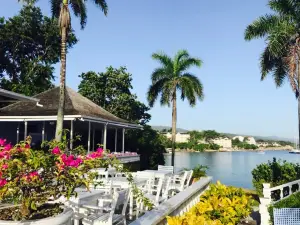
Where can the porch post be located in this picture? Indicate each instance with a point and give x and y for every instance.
(25, 130)
(18, 132)
(123, 140)
(104, 136)
(93, 138)
(43, 132)
(116, 139)
(71, 135)
(89, 138)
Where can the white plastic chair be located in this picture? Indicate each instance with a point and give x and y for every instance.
(111, 217)
(178, 183)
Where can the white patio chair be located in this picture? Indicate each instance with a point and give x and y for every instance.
(166, 168)
(189, 178)
(108, 218)
(178, 183)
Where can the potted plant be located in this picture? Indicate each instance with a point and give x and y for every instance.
(29, 179)
(198, 172)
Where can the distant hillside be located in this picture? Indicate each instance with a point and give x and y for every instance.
(160, 128)
(267, 138)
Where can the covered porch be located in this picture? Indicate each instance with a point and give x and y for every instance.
(82, 117)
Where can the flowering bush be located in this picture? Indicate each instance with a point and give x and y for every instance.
(30, 178)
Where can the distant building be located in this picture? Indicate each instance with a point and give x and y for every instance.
(250, 140)
(180, 137)
(240, 138)
(223, 142)
(262, 144)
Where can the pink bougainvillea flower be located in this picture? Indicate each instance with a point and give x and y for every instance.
(75, 163)
(4, 154)
(2, 142)
(56, 151)
(3, 182)
(7, 147)
(27, 145)
(4, 166)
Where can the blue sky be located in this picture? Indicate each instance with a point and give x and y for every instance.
(236, 100)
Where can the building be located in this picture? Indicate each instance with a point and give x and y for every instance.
(262, 144)
(180, 137)
(223, 142)
(82, 117)
(250, 140)
(240, 138)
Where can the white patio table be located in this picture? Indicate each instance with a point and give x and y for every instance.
(156, 173)
(105, 172)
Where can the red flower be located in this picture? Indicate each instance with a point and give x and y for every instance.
(27, 145)
(3, 182)
(8, 147)
(56, 151)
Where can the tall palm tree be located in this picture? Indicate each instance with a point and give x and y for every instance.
(60, 9)
(281, 56)
(170, 77)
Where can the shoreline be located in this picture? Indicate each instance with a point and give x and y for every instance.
(283, 148)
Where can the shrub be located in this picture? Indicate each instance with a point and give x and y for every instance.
(293, 201)
(275, 172)
(199, 171)
(219, 205)
(214, 146)
(30, 178)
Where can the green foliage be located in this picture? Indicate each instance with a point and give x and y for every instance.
(218, 205)
(112, 91)
(281, 33)
(148, 144)
(30, 45)
(275, 172)
(199, 171)
(293, 201)
(242, 145)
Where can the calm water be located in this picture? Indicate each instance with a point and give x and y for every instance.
(231, 168)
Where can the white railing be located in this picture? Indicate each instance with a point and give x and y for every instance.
(267, 200)
(175, 206)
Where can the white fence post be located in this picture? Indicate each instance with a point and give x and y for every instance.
(264, 204)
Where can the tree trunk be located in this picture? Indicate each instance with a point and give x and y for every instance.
(61, 104)
(174, 121)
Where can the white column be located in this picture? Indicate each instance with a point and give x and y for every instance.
(71, 135)
(123, 140)
(18, 133)
(43, 132)
(25, 130)
(116, 139)
(89, 138)
(104, 136)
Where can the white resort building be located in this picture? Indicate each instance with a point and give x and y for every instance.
(180, 137)
(223, 142)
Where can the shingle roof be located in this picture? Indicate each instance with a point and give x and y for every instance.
(75, 104)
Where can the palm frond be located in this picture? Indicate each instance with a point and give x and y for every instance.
(160, 73)
(191, 88)
(163, 59)
(293, 62)
(261, 27)
(167, 92)
(103, 6)
(267, 63)
(186, 63)
(79, 9)
(178, 57)
(288, 8)
(154, 91)
(55, 8)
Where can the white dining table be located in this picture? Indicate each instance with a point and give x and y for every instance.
(105, 171)
(156, 173)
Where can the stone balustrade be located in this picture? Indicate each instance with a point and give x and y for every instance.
(175, 206)
(282, 191)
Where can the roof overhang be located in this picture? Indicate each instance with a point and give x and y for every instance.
(9, 96)
(69, 118)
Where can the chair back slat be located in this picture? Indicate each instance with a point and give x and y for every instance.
(166, 168)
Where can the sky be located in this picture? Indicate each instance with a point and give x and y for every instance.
(236, 101)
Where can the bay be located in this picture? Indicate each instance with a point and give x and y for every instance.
(231, 168)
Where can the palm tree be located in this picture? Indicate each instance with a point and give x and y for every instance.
(170, 77)
(60, 10)
(281, 56)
